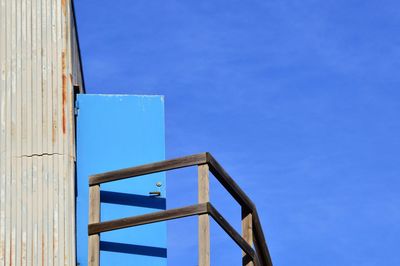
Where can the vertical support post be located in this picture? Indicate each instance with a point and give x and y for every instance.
(204, 220)
(94, 217)
(247, 233)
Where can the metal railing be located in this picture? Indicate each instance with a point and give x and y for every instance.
(252, 233)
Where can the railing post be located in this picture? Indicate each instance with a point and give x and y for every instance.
(204, 220)
(247, 234)
(94, 217)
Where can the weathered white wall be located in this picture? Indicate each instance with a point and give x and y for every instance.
(37, 139)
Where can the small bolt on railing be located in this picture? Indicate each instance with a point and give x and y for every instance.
(252, 233)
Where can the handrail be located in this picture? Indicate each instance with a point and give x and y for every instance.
(150, 168)
(261, 256)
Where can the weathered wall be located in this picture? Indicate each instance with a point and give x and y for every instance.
(37, 134)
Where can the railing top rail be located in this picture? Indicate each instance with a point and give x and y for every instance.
(150, 168)
(187, 161)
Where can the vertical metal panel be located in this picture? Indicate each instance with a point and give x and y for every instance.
(39, 65)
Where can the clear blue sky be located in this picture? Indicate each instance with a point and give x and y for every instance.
(299, 100)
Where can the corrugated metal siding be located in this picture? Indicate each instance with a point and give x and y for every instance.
(77, 74)
(37, 135)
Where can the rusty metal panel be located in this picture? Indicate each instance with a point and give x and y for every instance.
(39, 66)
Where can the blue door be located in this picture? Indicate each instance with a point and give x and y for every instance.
(113, 132)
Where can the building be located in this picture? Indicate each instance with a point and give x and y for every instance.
(54, 139)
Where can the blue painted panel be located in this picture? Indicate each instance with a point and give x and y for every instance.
(113, 132)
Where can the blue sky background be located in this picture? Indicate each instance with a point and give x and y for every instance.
(299, 100)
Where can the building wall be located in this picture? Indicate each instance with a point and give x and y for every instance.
(38, 70)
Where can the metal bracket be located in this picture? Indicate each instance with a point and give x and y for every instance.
(76, 108)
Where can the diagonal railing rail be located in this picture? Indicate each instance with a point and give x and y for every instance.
(252, 233)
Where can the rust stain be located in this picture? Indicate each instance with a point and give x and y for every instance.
(53, 132)
(32, 248)
(11, 251)
(64, 8)
(33, 245)
(64, 92)
(64, 99)
(54, 245)
(42, 249)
